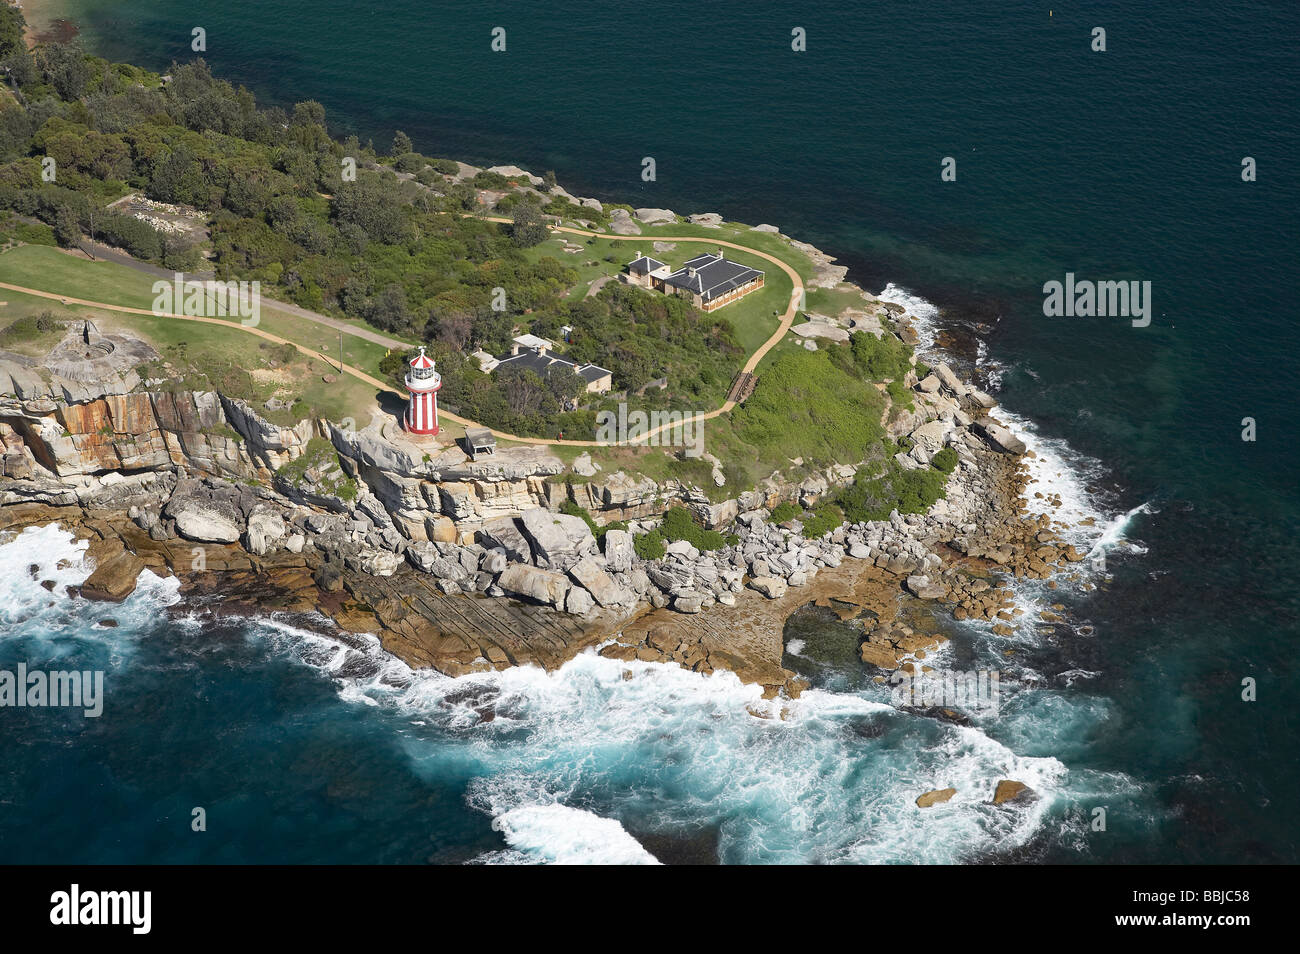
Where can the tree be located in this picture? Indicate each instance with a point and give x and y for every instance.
(401, 144)
(64, 67)
(529, 226)
(389, 309)
(67, 230)
(373, 206)
(524, 390)
(548, 180)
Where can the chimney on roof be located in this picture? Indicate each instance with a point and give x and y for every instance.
(690, 271)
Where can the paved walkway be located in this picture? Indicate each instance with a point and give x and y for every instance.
(786, 320)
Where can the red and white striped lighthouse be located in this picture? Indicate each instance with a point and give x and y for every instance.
(422, 381)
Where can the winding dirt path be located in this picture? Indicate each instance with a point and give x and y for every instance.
(787, 319)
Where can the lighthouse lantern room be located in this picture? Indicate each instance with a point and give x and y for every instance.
(422, 382)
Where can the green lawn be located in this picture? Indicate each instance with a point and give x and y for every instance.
(198, 353)
(834, 301)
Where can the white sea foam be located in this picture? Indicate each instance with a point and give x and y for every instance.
(559, 759)
(925, 314)
(28, 609)
(558, 834)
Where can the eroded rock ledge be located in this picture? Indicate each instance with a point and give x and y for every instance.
(469, 565)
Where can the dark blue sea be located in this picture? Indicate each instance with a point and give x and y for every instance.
(1117, 165)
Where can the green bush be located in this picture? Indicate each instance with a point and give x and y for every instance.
(35, 233)
(880, 359)
(678, 524)
(873, 496)
(785, 511)
(900, 395)
(821, 521)
(409, 162)
(650, 546)
(946, 460)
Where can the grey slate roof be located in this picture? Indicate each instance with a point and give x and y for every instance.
(714, 276)
(645, 263)
(541, 363)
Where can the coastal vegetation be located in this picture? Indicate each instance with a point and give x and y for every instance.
(396, 241)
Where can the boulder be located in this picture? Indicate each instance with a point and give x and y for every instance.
(1009, 790)
(558, 540)
(821, 329)
(935, 797)
(922, 588)
(421, 555)
(688, 602)
(265, 529)
(950, 380)
(998, 436)
(378, 562)
(618, 550)
(621, 223)
(579, 602)
(773, 587)
(115, 573)
(206, 520)
(589, 574)
(425, 557)
(884, 657)
(656, 216)
(716, 515)
(503, 532)
(544, 586)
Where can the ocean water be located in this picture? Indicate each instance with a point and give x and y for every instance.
(1116, 165)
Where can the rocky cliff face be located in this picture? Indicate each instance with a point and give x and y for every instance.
(369, 513)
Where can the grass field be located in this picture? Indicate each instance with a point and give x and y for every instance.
(199, 354)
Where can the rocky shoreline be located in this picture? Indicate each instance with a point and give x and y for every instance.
(468, 565)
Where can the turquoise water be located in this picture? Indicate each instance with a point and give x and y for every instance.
(1115, 165)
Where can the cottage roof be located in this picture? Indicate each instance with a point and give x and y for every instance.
(539, 363)
(644, 263)
(710, 275)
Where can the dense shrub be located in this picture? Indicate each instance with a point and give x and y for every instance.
(873, 496)
(678, 524)
(650, 546)
(946, 460)
(785, 511)
(880, 359)
(821, 521)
